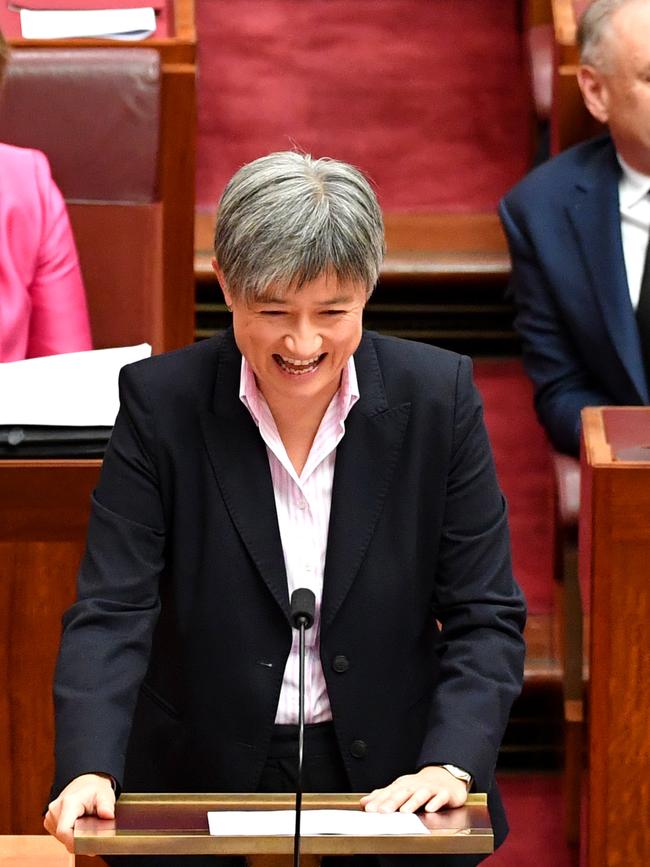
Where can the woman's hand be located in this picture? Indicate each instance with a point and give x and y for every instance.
(432, 788)
(87, 794)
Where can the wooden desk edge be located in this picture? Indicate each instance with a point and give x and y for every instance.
(183, 15)
(91, 840)
(49, 463)
(236, 801)
(598, 451)
(462, 842)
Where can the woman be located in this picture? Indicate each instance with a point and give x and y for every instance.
(293, 450)
(42, 303)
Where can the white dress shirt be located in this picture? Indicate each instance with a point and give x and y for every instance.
(634, 204)
(303, 507)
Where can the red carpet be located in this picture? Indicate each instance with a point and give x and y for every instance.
(522, 459)
(534, 806)
(429, 98)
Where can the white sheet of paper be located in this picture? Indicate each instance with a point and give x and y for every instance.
(356, 823)
(68, 23)
(74, 389)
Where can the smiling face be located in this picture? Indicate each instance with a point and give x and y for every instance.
(298, 342)
(619, 93)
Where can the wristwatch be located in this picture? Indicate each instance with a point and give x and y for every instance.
(460, 774)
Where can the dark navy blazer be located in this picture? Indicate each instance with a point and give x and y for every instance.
(172, 658)
(574, 314)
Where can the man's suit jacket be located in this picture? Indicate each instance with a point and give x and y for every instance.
(574, 314)
(42, 301)
(172, 658)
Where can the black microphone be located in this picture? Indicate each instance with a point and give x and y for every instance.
(303, 607)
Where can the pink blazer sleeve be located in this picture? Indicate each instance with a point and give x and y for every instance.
(43, 307)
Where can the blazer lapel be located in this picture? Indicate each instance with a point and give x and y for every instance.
(595, 217)
(365, 462)
(240, 464)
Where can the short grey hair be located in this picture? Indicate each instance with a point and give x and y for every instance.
(593, 27)
(286, 218)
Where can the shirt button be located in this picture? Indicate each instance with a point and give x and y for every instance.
(340, 664)
(358, 749)
(301, 504)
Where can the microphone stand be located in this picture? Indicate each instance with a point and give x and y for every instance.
(301, 740)
(303, 604)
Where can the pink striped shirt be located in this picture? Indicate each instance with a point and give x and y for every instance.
(303, 507)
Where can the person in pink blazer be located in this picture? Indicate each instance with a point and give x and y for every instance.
(43, 307)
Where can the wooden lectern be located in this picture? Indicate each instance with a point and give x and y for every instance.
(177, 824)
(614, 552)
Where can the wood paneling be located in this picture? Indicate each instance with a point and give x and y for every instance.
(121, 255)
(43, 514)
(177, 169)
(614, 564)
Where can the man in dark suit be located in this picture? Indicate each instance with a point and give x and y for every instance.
(293, 449)
(577, 227)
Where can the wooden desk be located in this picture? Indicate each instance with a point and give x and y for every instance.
(177, 825)
(44, 508)
(176, 44)
(614, 559)
(175, 37)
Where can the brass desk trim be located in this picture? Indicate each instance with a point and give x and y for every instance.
(461, 831)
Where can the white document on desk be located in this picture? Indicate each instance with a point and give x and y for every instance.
(69, 390)
(71, 23)
(313, 823)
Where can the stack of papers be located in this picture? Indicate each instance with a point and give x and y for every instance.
(356, 823)
(78, 389)
(68, 19)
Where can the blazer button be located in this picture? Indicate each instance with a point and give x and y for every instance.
(340, 663)
(358, 749)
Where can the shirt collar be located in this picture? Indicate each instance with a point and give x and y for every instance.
(633, 186)
(346, 396)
